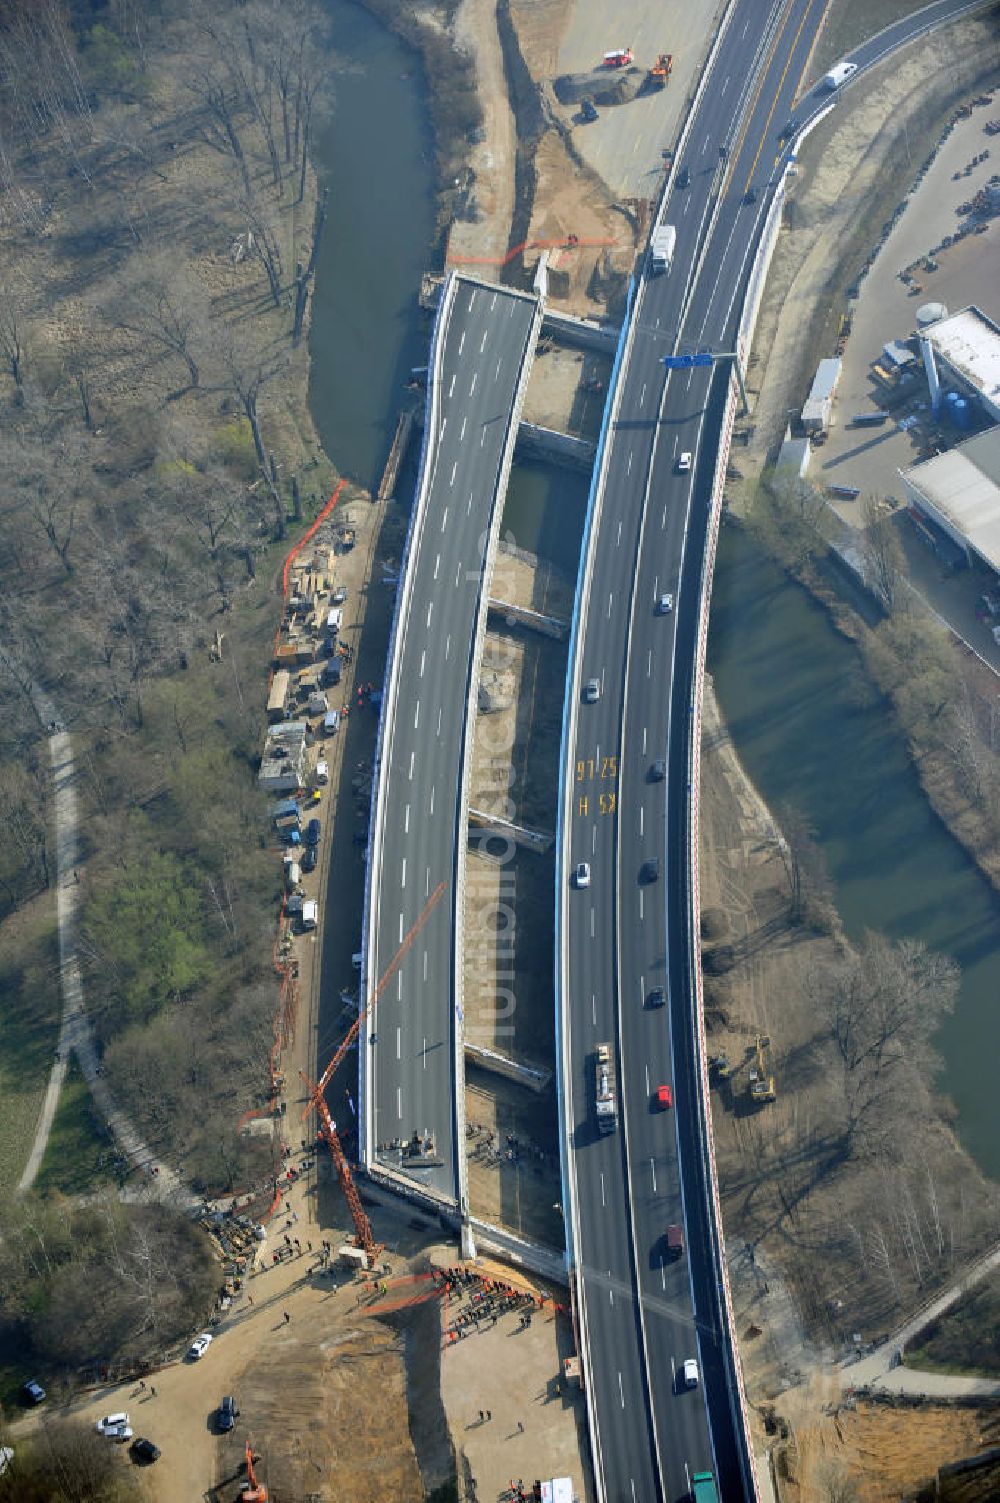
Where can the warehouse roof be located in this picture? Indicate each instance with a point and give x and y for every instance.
(970, 342)
(964, 487)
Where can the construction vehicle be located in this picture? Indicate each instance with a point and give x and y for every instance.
(661, 70)
(618, 57)
(254, 1492)
(605, 1100)
(761, 1085)
(327, 1130)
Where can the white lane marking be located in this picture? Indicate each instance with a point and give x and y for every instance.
(642, 818)
(647, 1080)
(635, 148)
(610, 599)
(725, 85)
(705, 147)
(494, 302)
(592, 923)
(663, 521)
(603, 1201)
(412, 755)
(399, 986)
(402, 873)
(642, 395)
(649, 664)
(482, 439)
(462, 434)
(430, 612)
(468, 505)
(621, 1391)
(483, 343)
(423, 660)
(619, 542)
(673, 1373)
(451, 387)
(593, 841)
(427, 881)
(744, 31)
(458, 575)
(652, 1170)
(437, 565)
(611, 1292)
(593, 1007)
(439, 721)
(472, 387)
(687, 205)
(461, 343)
(432, 800)
(497, 375)
(425, 965)
(424, 1053)
(399, 1102)
(399, 1042)
(400, 928)
(472, 298)
(644, 740)
(663, 1274)
(447, 648)
(656, 587)
(444, 519)
(641, 903)
(406, 820)
(628, 472)
(416, 715)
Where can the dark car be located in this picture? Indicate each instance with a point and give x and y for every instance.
(228, 1412)
(588, 111)
(650, 870)
(33, 1393)
(658, 771)
(313, 831)
(309, 858)
(143, 1450)
(750, 196)
(657, 997)
(684, 178)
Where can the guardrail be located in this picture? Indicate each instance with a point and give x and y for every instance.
(366, 1148)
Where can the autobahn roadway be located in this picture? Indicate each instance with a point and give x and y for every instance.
(650, 539)
(650, 1434)
(483, 348)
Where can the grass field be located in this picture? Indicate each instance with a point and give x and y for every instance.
(964, 1339)
(80, 1156)
(29, 1030)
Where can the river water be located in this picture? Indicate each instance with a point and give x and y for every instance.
(790, 688)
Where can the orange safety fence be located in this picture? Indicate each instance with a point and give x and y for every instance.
(568, 242)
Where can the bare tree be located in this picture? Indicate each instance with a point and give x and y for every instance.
(13, 320)
(164, 305)
(884, 560)
(303, 277)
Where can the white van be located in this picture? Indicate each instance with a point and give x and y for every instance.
(322, 771)
(310, 913)
(334, 621)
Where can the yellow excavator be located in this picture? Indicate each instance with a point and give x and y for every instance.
(761, 1071)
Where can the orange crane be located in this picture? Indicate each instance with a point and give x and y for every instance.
(364, 1235)
(254, 1492)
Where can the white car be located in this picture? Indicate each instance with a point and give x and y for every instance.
(200, 1346)
(592, 691)
(689, 1373)
(684, 463)
(664, 605)
(581, 876)
(115, 1426)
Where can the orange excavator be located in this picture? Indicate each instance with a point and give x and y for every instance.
(364, 1236)
(661, 70)
(254, 1492)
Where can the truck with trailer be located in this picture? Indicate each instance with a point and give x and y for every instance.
(661, 248)
(605, 1098)
(703, 1489)
(838, 75)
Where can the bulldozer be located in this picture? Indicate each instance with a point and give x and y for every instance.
(761, 1075)
(661, 70)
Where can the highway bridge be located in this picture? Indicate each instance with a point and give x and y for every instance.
(627, 964)
(412, 1081)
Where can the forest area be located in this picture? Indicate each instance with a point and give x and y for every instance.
(159, 226)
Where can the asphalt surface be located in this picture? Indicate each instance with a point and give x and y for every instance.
(625, 936)
(411, 1068)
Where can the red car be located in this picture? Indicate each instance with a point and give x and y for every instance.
(664, 1097)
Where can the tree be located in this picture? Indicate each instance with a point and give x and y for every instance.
(882, 553)
(13, 320)
(163, 305)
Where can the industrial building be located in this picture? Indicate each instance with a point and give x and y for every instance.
(960, 493)
(966, 359)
